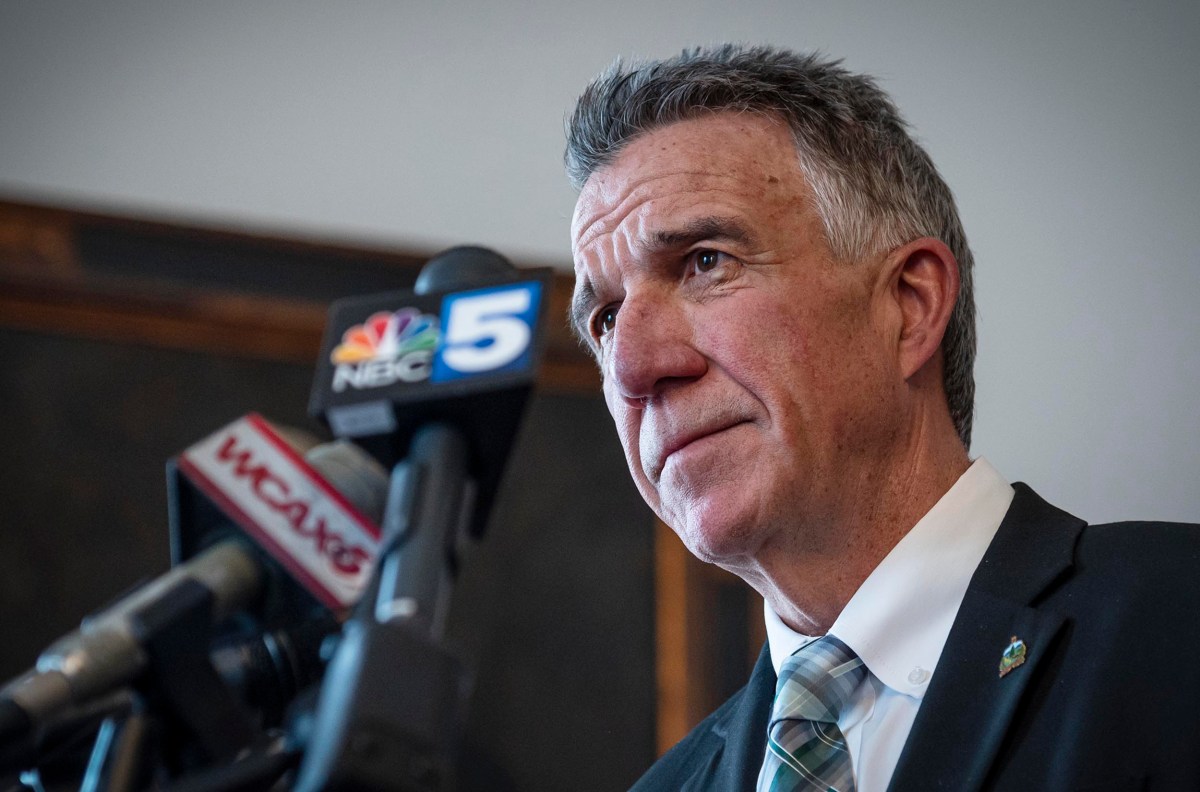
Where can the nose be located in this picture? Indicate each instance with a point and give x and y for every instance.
(651, 349)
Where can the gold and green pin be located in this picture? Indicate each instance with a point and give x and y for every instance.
(1014, 655)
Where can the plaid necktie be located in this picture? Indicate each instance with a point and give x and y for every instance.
(805, 747)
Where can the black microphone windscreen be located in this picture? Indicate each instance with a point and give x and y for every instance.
(463, 267)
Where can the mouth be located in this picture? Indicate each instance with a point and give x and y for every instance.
(682, 442)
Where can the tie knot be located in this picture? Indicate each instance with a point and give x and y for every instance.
(816, 682)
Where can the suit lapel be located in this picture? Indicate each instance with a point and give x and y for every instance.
(968, 708)
(742, 730)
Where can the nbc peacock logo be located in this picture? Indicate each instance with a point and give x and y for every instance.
(385, 349)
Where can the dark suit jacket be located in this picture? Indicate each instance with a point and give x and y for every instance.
(1108, 698)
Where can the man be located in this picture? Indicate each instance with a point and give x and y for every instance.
(775, 283)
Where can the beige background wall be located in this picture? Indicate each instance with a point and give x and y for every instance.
(1067, 130)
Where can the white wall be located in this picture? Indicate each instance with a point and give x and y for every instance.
(1068, 131)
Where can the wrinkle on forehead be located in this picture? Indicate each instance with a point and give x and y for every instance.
(613, 200)
(667, 182)
(691, 158)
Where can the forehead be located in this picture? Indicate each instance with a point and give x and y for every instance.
(724, 164)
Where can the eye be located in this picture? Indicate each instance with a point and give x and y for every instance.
(707, 260)
(604, 321)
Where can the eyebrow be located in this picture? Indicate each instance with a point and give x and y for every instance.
(716, 228)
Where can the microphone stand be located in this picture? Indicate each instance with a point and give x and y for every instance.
(390, 708)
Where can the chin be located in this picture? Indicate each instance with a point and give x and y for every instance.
(717, 538)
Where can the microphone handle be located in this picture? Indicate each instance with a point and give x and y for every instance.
(429, 502)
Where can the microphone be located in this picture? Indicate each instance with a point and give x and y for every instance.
(105, 652)
(461, 349)
(433, 382)
(246, 460)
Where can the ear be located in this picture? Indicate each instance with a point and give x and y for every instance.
(924, 285)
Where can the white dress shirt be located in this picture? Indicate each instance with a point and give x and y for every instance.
(898, 620)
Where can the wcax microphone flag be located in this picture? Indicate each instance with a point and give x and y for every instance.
(462, 348)
(294, 512)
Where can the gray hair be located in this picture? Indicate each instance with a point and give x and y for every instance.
(875, 188)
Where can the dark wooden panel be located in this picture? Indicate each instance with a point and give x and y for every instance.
(210, 290)
(709, 631)
(89, 426)
(199, 260)
(557, 604)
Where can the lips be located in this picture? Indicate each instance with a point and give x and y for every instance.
(658, 446)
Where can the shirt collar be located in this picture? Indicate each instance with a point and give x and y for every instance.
(898, 620)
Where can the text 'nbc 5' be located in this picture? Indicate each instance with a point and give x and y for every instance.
(487, 331)
(483, 331)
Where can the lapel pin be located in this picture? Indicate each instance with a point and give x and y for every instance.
(1014, 655)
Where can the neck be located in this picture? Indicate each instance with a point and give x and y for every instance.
(808, 581)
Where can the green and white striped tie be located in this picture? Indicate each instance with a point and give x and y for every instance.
(805, 747)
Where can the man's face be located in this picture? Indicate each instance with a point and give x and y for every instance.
(748, 372)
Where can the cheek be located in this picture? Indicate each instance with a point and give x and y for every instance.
(627, 422)
(803, 366)
(629, 430)
(767, 351)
